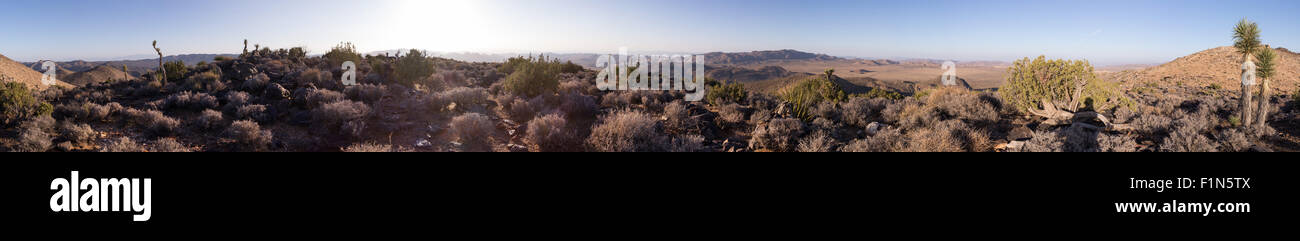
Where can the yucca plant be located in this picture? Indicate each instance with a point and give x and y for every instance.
(1246, 39)
(1265, 70)
(160, 62)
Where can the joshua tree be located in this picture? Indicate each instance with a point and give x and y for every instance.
(829, 73)
(126, 75)
(160, 62)
(1264, 71)
(1246, 39)
(245, 46)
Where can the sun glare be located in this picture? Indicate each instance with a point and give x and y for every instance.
(438, 25)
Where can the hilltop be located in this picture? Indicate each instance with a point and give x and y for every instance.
(138, 66)
(21, 73)
(719, 58)
(1217, 66)
(99, 74)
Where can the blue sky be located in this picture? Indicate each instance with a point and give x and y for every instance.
(1106, 32)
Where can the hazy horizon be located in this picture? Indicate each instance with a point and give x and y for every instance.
(1105, 32)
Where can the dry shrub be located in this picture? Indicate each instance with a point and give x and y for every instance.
(465, 96)
(209, 120)
(1233, 140)
(249, 135)
(366, 93)
(189, 100)
(78, 133)
(627, 131)
(729, 115)
(168, 145)
(318, 78)
(121, 144)
(817, 142)
(256, 82)
(1043, 141)
(579, 107)
(970, 107)
(886, 140)
(780, 135)
(522, 111)
(313, 98)
(368, 147)
(87, 111)
(548, 133)
(153, 121)
(252, 112)
(677, 117)
(335, 117)
(861, 112)
(688, 143)
(33, 135)
(235, 99)
(473, 130)
(1116, 143)
(207, 81)
(948, 136)
(1185, 139)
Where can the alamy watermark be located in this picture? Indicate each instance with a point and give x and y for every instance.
(624, 72)
(102, 195)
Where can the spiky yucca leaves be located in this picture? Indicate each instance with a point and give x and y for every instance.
(1265, 70)
(1246, 38)
(809, 93)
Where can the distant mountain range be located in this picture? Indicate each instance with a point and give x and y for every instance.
(135, 67)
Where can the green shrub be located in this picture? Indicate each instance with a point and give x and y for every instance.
(880, 93)
(807, 94)
(722, 93)
(532, 77)
(570, 68)
(17, 103)
(1030, 82)
(342, 53)
(176, 70)
(297, 53)
(413, 68)
(1296, 97)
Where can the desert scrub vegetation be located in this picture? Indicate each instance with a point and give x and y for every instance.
(18, 103)
(722, 93)
(34, 135)
(531, 77)
(807, 94)
(249, 135)
(175, 71)
(342, 117)
(153, 121)
(473, 130)
(414, 68)
(343, 52)
(780, 135)
(1058, 89)
(371, 148)
(879, 93)
(549, 134)
(627, 131)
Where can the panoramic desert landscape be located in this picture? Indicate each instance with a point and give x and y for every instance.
(285, 100)
(481, 76)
